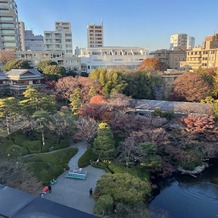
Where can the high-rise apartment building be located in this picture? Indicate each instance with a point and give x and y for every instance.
(22, 35)
(29, 41)
(178, 41)
(60, 39)
(190, 42)
(95, 35)
(9, 27)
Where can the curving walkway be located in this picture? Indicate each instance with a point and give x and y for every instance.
(75, 193)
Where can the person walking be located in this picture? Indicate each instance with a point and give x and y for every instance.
(90, 192)
(49, 188)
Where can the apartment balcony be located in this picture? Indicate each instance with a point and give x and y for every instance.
(194, 56)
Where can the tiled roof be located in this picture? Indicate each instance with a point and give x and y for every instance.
(20, 72)
(182, 107)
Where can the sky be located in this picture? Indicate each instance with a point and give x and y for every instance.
(141, 23)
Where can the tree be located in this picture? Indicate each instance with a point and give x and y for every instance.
(62, 124)
(140, 85)
(152, 64)
(86, 129)
(67, 86)
(41, 119)
(16, 64)
(150, 158)
(43, 64)
(7, 55)
(190, 87)
(54, 71)
(14, 173)
(111, 82)
(104, 144)
(97, 99)
(123, 188)
(98, 112)
(9, 109)
(36, 101)
(104, 205)
(76, 100)
(129, 152)
(196, 123)
(214, 103)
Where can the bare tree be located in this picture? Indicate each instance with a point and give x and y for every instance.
(13, 173)
(86, 129)
(7, 55)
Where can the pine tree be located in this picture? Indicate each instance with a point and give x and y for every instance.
(104, 144)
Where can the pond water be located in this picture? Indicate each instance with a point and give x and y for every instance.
(187, 197)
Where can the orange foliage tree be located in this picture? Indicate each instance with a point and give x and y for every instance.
(97, 99)
(195, 123)
(152, 64)
(191, 87)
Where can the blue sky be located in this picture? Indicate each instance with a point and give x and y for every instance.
(142, 23)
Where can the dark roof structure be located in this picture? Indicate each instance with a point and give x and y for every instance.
(177, 107)
(20, 72)
(18, 204)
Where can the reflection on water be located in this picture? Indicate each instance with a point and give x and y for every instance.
(188, 197)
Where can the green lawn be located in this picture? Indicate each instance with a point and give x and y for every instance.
(50, 166)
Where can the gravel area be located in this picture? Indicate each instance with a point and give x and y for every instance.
(75, 193)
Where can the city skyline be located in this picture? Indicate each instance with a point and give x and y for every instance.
(140, 23)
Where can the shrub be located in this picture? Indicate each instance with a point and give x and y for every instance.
(104, 205)
(33, 146)
(16, 151)
(169, 115)
(84, 161)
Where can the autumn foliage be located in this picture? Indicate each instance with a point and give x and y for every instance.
(67, 85)
(97, 99)
(152, 64)
(197, 123)
(190, 87)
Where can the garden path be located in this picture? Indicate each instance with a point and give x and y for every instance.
(75, 193)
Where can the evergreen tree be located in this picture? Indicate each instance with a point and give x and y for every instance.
(104, 144)
(76, 100)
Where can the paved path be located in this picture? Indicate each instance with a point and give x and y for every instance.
(75, 193)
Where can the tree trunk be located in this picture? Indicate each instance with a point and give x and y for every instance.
(43, 137)
(8, 126)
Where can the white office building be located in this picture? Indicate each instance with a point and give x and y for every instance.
(60, 39)
(9, 27)
(127, 58)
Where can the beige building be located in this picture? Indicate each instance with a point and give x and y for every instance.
(69, 62)
(205, 57)
(95, 36)
(22, 35)
(171, 58)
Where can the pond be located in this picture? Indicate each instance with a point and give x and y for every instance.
(186, 197)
